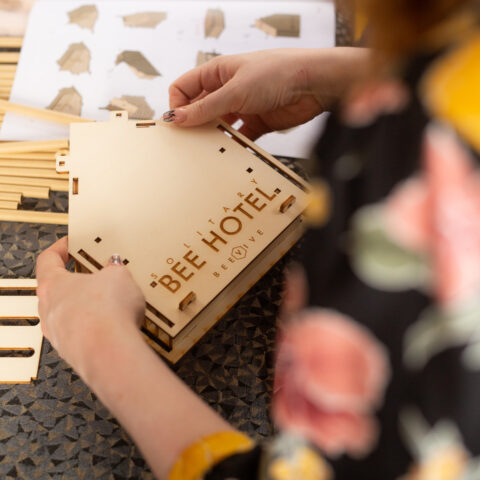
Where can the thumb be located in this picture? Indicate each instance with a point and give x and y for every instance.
(208, 108)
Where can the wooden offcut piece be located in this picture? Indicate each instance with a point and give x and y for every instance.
(20, 333)
(137, 107)
(214, 23)
(280, 25)
(68, 100)
(139, 65)
(144, 19)
(76, 59)
(194, 213)
(85, 16)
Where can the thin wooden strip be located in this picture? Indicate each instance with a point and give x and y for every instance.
(6, 82)
(29, 156)
(48, 115)
(26, 190)
(8, 205)
(9, 57)
(31, 172)
(40, 146)
(56, 185)
(18, 283)
(19, 162)
(8, 68)
(33, 217)
(11, 196)
(11, 42)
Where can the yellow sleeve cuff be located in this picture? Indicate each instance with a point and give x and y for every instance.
(200, 457)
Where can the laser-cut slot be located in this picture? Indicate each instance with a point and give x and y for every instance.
(90, 259)
(98, 240)
(157, 340)
(75, 186)
(61, 163)
(126, 262)
(19, 322)
(277, 191)
(118, 114)
(225, 131)
(262, 157)
(161, 317)
(222, 150)
(249, 170)
(153, 284)
(188, 300)
(16, 352)
(145, 125)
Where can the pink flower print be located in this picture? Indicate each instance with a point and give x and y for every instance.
(406, 215)
(331, 374)
(454, 190)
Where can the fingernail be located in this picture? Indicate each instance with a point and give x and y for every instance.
(175, 116)
(116, 259)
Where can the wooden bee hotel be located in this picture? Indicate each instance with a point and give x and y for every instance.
(198, 215)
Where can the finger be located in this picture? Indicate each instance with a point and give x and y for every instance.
(190, 85)
(53, 260)
(215, 105)
(253, 127)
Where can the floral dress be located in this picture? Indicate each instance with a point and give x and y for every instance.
(378, 364)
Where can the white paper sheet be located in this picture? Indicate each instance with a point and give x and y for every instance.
(171, 47)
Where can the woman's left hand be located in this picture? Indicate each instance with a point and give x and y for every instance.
(78, 310)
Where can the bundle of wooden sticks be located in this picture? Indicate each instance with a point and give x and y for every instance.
(28, 169)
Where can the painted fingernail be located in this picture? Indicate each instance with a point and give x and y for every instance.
(178, 116)
(116, 259)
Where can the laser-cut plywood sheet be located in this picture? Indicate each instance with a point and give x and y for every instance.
(165, 38)
(18, 334)
(189, 210)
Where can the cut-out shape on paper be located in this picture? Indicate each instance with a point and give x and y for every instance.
(85, 16)
(139, 65)
(76, 59)
(214, 23)
(137, 107)
(68, 100)
(144, 19)
(204, 57)
(280, 25)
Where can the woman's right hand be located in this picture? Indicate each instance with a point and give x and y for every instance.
(268, 90)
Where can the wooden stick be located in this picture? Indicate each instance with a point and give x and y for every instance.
(41, 146)
(11, 197)
(14, 162)
(48, 115)
(10, 76)
(56, 185)
(18, 283)
(32, 172)
(11, 42)
(9, 57)
(8, 205)
(26, 190)
(29, 156)
(6, 82)
(8, 68)
(33, 217)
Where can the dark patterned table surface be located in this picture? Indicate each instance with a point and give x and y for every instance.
(56, 428)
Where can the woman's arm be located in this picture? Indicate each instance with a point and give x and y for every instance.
(92, 320)
(269, 90)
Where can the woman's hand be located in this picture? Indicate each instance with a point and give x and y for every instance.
(77, 311)
(268, 90)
